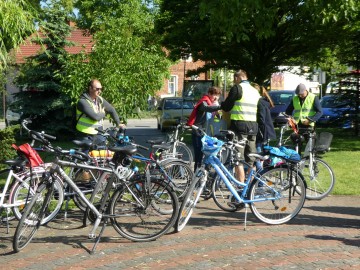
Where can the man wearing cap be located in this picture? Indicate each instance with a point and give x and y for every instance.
(306, 110)
(305, 107)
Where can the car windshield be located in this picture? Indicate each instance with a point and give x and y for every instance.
(281, 98)
(173, 104)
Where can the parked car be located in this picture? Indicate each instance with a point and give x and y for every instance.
(338, 111)
(281, 99)
(171, 110)
(13, 114)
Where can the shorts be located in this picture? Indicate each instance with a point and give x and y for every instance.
(250, 147)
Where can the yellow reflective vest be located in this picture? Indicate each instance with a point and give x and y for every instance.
(245, 109)
(86, 124)
(306, 110)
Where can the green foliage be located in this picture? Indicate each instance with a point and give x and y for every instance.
(40, 76)
(127, 57)
(257, 36)
(7, 138)
(16, 23)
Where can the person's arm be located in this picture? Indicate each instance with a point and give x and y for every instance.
(234, 94)
(318, 110)
(87, 109)
(289, 110)
(204, 107)
(111, 110)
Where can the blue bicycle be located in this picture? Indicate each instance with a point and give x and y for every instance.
(275, 196)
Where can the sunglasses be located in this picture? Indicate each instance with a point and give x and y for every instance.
(98, 88)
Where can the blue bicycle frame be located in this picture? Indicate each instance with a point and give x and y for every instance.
(225, 175)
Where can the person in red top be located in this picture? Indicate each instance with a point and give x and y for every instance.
(198, 118)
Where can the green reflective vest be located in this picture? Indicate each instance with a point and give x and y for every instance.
(306, 110)
(245, 109)
(86, 124)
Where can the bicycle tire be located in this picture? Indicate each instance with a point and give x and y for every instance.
(288, 205)
(30, 221)
(182, 151)
(143, 223)
(321, 182)
(22, 191)
(190, 200)
(222, 195)
(180, 174)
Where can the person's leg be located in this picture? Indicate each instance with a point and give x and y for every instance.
(258, 163)
(250, 148)
(196, 142)
(239, 170)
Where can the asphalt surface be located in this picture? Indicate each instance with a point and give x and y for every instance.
(325, 235)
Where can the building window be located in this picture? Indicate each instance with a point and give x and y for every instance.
(173, 84)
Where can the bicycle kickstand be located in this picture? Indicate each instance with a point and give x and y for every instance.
(98, 238)
(246, 211)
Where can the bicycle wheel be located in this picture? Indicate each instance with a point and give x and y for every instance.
(179, 174)
(23, 192)
(320, 181)
(191, 198)
(222, 196)
(182, 151)
(31, 219)
(289, 200)
(141, 218)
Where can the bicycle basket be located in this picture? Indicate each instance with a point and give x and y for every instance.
(323, 141)
(211, 145)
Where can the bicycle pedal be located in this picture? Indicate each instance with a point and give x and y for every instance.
(92, 236)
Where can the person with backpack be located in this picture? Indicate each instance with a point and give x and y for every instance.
(198, 117)
(91, 110)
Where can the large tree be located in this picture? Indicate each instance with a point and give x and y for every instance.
(127, 57)
(255, 35)
(40, 77)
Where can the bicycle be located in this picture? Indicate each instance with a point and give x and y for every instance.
(159, 165)
(22, 178)
(274, 197)
(318, 174)
(130, 208)
(179, 148)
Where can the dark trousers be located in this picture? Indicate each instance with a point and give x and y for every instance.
(197, 145)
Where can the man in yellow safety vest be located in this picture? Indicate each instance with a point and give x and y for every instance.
(242, 103)
(91, 110)
(306, 110)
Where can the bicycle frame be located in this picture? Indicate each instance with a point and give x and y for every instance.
(227, 177)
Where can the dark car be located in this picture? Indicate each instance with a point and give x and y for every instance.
(338, 111)
(281, 99)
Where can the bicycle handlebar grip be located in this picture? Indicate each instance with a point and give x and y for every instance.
(49, 136)
(78, 154)
(38, 137)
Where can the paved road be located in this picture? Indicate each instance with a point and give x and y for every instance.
(325, 235)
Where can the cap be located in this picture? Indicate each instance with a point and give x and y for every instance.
(300, 89)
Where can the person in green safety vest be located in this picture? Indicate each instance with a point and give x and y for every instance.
(242, 103)
(91, 110)
(306, 110)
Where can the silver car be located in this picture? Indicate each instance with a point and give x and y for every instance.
(172, 110)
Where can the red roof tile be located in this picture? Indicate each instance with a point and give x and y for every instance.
(81, 40)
